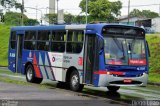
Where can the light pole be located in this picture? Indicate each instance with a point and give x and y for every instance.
(86, 11)
(36, 12)
(128, 10)
(57, 11)
(22, 11)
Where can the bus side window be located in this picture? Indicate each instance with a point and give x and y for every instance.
(75, 41)
(13, 40)
(43, 40)
(29, 40)
(58, 39)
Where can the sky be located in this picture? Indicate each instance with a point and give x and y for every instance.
(72, 6)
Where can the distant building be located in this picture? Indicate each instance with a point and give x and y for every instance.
(150, 25)
(156, 24)
(132, 20)
(52, 6)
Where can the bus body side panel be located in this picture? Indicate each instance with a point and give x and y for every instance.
(12, 60)
(41, 63)
(11, 56)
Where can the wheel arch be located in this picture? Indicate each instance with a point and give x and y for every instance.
(28, 63)
(69, 71)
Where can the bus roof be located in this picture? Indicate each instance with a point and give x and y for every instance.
(96, 27)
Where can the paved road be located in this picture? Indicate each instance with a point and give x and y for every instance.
(89, 94)
(35, 95)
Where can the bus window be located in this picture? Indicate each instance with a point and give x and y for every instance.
(58, 39)
(75, 41)
(43, 35)
(30, 35)
(43, 40)
(13, 40)
(30, 45)
(29, 40)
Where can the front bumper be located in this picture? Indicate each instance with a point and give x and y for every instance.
(110, 80)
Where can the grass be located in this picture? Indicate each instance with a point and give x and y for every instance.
(4, 38)
(154, 77)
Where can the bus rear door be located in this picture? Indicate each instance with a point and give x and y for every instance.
(20, 35)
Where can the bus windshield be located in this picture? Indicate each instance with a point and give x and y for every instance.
(124, 51)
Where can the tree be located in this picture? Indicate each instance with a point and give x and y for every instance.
(8, 4)
(102, 10)
(143, 13)
(14, 18)
(50, 18)
(31, 22)
(69, 18)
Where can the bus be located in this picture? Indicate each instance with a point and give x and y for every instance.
(101, 55)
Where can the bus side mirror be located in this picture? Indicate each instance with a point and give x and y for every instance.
(148, 49)
(100, 45)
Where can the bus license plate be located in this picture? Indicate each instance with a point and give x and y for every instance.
(127, 80)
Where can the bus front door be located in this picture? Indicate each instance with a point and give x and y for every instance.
(90, 62)
(19, 46)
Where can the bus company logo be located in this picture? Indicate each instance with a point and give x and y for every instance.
(53, 59)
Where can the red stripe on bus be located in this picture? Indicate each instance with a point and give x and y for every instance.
(109, 72)
(37, 71)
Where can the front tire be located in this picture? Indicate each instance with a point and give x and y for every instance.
(30, 75)
(113, 88)
(75, 82)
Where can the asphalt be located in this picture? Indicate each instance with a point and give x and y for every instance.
(90, 95)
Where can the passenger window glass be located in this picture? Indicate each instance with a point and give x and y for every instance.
(58, 40)
(30, 35)
(13, 40)
(43, 46)
(58, 36)
(75, 41)
(43, 35)
(29, 45)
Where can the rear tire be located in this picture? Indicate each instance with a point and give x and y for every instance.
(113, 88)
(30, 75)
(75, 82)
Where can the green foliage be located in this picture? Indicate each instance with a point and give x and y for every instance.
(31, 22)
(69, 18)
(4, 37)
(143, 13)
(102, 10)
(13, 18)
(11, 4)
(154, 46)
(51, 18)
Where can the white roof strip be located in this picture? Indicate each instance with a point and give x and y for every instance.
(75, 27)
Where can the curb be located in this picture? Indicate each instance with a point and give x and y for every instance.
(154, 84)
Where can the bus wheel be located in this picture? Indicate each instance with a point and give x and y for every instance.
(30, 75)
(113, 88)
(74, 82)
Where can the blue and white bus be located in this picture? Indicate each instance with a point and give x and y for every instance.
(107, 55)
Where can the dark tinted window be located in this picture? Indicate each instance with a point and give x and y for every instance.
(29, 45)
(75, 41)
(43, 46)
(13, 44)
(58, 36)
(58, 46)
(30, 35)
(58, 39)
(13, 40)
(43, 35)
(13, 35)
